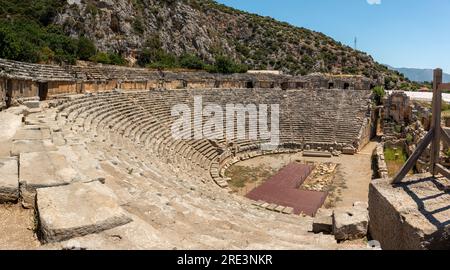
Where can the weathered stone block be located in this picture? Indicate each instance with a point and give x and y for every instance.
(279, 208)
(288, 211)
(363, 205)
(323, 224)
(43, 169)
(349, 150)
(414, 215)
(264, 205)
(9, 180)
(317, 154)
(78, 209)
(32, 134)
(28, 146)
(32, 104)
(350, 223)
(271, 207)
(324, 212)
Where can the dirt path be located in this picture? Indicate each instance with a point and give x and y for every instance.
(357, 173)
(16, 228)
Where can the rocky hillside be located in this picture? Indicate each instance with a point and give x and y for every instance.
(149, 31)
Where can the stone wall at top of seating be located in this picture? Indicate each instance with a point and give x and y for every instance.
(101, 73)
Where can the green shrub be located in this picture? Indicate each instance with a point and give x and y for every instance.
(86, 48)
(378, 94)
(100, 57)
(138, 26)
(191, 62)
(409, 138)
(108, 58)
(116, 59)
(226, 65)
(46, 55)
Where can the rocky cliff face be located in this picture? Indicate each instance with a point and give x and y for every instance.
(207, 29)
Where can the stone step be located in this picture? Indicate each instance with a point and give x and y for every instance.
(9, 180)
(76, 210)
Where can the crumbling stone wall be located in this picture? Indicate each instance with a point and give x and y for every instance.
(414, 135)
(398, 108)
(422, 114)
(368, 129)
(327, 81)
(381, 169)
(23, 88)
(58, 88)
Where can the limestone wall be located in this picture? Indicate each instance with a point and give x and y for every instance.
(58, 88)
(23, 88)
(409, 216)
(328, 81)
(201, 84)
(175, 84)
(381, 170)
(25, 79)
(229, 84)
(366, 133)
(398, 108)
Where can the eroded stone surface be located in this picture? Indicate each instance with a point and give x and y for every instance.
(77, 210)
(350, 223)
(32, 134)
(9, 180)
(413, 215)
(43, 169)
(136, 235)
(323, 221)
(32, 104)
(323, 224)
(28, 146)
(46, 169)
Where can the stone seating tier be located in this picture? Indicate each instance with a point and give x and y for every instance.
(318, 118)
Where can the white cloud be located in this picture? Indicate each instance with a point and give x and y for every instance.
(374, 2)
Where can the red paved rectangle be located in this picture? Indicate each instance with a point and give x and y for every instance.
(282, 189)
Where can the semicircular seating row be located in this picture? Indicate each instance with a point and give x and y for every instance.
(144, 119)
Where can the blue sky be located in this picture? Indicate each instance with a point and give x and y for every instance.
(401, 33)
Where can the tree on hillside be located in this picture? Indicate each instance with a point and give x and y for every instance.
(86, 48)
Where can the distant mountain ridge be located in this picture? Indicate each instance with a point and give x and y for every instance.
(420, 75)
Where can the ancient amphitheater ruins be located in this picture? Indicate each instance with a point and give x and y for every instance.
(90, 151)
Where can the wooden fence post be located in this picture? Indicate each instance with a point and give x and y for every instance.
(436, 120)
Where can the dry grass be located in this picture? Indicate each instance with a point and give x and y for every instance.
(395, 158)
(244, 179)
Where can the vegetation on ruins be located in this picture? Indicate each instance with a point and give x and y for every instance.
(195, 34)
(395, 158)
(378, 94)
